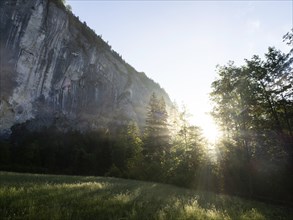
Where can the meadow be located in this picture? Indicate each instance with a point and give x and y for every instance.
(35, 196)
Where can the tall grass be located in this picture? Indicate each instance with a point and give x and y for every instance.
(31, 196)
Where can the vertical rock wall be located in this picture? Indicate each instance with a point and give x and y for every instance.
(55, 70)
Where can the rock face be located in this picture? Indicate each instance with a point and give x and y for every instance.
(56, 70)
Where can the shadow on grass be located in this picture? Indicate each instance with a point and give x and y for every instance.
(28, 196)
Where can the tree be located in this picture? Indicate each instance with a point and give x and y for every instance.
(253, 105)
(156, 136)
(187, 155)
(126, 151)
(156, 140)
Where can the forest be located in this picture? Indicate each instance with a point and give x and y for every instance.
(253, 106)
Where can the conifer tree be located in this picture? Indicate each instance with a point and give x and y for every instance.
(156, 137)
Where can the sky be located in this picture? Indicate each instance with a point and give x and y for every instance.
(179, 43)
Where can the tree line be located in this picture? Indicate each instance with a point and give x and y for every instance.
(155, 153)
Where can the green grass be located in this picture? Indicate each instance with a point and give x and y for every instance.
(34, 196)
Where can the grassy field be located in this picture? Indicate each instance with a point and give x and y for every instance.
(32, 196)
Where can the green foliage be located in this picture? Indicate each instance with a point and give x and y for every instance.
(254, 107)
(126, 150)
(156, 137)
(188, 155)
(156, 140)
(31, 196)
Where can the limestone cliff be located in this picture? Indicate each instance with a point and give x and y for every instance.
(56, 70)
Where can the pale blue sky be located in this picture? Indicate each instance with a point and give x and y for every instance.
(179, 43)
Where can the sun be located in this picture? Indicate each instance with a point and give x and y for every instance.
(210, 130)
(202, 118)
